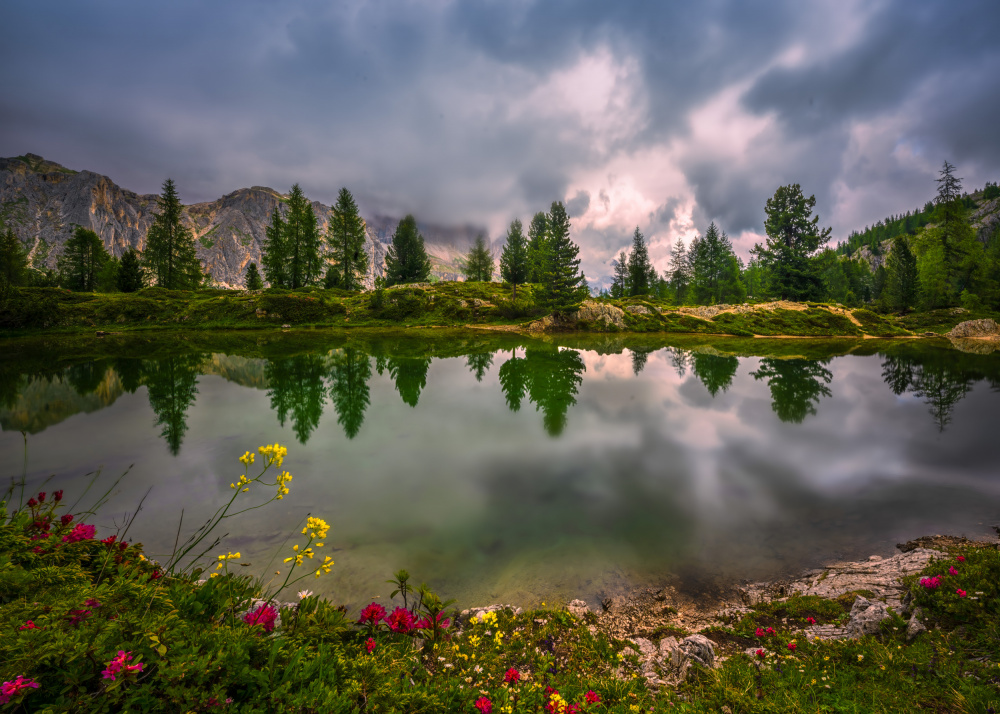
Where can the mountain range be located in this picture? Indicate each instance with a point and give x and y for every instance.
(43, 201)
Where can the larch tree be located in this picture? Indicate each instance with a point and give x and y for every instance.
(345, 235)
(170, 255)
(514, 268)
(478, 263)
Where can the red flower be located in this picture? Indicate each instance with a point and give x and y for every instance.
(770, 631)
(952, 571)
(80, 532)
(761, 654)
(370, 645)
(66, 518)
(792, 646)
(110, 540)
(592, 697)
(41, 496)
(29, 625)
(511, 676)
(484, 705)
(91, 602)
(119, 665)
(57, 495)
(400, 620)
(811, 620)
(156, 574)
(78, 616)
(264, 615)
(9, 690)
(759, 632)
(422, 624)
(960, 592)
(960, 559)
(37, 549)
(32, 503)
(372, 614)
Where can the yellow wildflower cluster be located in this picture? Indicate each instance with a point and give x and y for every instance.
(283, 478)
(325, 566)
(318, 528)
(242, 483)
(557, 703)
(273, 454)
(247, 458)
(488, 618)
(307, 553)
(226, 557)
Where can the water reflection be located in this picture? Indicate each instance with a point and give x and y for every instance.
(299, 386)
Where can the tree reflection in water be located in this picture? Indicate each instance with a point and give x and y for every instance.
(796, 386)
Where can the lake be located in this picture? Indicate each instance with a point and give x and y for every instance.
(497, 467)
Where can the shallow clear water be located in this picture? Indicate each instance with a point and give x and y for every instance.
(500, 468)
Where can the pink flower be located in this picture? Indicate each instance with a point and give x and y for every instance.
(57, 495)
(422, 624)
(29, 625)
(400, 620)
(511, 676)
(759, 632)
(91, 602)
(80, 532)
(960, 559)
(770, 631)
(32, 503)
(484, 705)
(811, 620)
(41, 497)
(78, 616)
(370, 645)
(952, 570)
(792, 646)
(65, 519)
(372, 614)
(960, 592)
(119, 665)
(760, 653)
(264, 615)
(592, 697)
(9, 690)
(931, 583)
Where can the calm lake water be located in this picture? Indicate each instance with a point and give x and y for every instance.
(499, 468)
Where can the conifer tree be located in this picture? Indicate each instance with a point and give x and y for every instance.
(13, 260)
(679, 271)
(901, 275)
(82, 259)
(346, 238)
(620, 282)
(478, 264)
(561, 276)
(638, 266)
(537, 232)
(793, 235)
(169, 254)
(406, 259)
(514, 266)
(274, 255)
(130, 276)
(253, 278)
(301, 241)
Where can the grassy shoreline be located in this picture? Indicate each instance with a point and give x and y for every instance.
(26, 311)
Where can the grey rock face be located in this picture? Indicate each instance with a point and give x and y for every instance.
(976, 328)
(914, 627)
(639, 310)
(866, 617)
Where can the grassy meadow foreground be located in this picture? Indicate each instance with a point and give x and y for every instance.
(90, 624)
(445, 304)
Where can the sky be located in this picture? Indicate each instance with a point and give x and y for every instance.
(635, 113)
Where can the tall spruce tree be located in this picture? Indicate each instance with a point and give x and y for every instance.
(130, 276)
(715, 269)
(561, 277)
(478, 264)
(679, 271)
(620, 282)
(406, 259)
(82, 259)
(901, 275)
(514, 266)
(274, 254)
(537, 248)
(253, 278)
(793, 236)
(346, 238)
(301, 239)
(169, 255)
(13, 260)
(638, 266)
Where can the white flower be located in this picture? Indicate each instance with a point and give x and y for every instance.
(303, 594)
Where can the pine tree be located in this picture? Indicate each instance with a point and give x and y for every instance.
(130, 276)
(537, 249)
(301, 241)
(82, 259)
(793, 235)
(620, 282)
(901, 275)
(169, 253)
(253, 278)
(638, 266)
(406, 259)
(346, 237)
(478, 264)
(13, 260)
(679, 271)
(274, 254)
(514, 266)
(561, 276)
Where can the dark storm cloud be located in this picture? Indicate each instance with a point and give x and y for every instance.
(452, 110)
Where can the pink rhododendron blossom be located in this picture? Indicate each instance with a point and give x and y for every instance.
(91, 602)
(592, 697)
(372, 614)
(960, 559)
(760, 653)
(484, 705)
(120, 665)
(960, 592)
(811, 620)
(759, 632)
(952, 570)
(370, 645)
(264, 615)
(9, 690)
(66, 519)
(80, 532)
(400, 620)
(29, 625)
(792, 646)
(931, 583)
(511, 676)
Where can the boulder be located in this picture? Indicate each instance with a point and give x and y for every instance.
(639, 310)
(976, 328)
(601, 314)
(914, 627)
(578, 609)
(699, 649)
(866, 617)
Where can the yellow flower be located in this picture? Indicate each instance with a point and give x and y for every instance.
(318, 527)
(324, 566)
(860, 657)
(247, 458)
